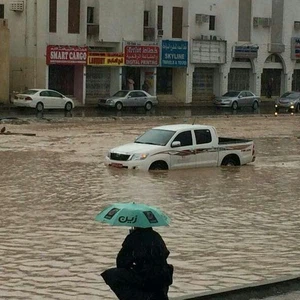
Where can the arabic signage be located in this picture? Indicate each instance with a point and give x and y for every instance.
(105, 59)
(245, 51)
(141, 54)
(295, 48)
(66, 55)
(174, 53)
(208, 52)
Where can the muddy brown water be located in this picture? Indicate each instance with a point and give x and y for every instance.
(230, 226)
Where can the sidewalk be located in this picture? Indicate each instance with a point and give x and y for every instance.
(283, 288)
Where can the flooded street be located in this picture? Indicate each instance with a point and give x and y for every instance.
(230, 226)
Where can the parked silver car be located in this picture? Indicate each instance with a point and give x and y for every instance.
(236, 99)
(129, 98)
(289, 101)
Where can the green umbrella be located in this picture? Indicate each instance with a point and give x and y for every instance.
(133, 215)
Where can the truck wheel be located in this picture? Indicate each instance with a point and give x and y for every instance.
(159, 165)
(234, 105)
(230, 161)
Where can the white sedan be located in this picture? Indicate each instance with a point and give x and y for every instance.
(41, 99)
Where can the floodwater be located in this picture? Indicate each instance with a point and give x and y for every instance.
(230, 226)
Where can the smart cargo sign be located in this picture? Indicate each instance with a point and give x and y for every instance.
(174, 53)
(66, 55)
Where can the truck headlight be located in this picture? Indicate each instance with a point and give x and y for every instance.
(108, 154)
(139, 156)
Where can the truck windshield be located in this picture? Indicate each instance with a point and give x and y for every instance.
(155, 137)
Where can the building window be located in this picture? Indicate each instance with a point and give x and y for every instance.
(160, 12)
(177, 22)
(146, 18)
(1, 11)
(90, 15)
(74, 16)
(212, 22)
(52, 15)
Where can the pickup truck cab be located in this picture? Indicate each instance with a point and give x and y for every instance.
(181, 146)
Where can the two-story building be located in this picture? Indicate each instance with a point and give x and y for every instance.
(187, 50)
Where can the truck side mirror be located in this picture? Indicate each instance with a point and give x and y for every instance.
(176, 144)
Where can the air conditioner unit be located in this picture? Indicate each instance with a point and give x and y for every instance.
(92, 29)
(149, 33)
(200, 18)
(297, 25)
(16, 5)
(160, 32)
(256, 21)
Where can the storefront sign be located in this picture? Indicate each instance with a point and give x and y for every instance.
(208, 52)
(141, 55)
(295, 48)
(66, 55)
(245, 51)
(174, 53)
(105, 59)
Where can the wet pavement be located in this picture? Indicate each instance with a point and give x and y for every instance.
(230, 226)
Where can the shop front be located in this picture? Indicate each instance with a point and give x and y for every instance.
(241, 75)
(272, 77)
(66, 65)
(206, 58)
(141, 61)
(102, 74)
(171, 75)
(295, 56)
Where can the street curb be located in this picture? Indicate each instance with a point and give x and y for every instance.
(259, 290)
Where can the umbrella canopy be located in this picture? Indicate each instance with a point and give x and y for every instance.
(133, 215)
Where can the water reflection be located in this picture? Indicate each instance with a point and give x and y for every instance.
(230, 226)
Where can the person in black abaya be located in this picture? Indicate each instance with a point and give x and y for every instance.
(142, 271)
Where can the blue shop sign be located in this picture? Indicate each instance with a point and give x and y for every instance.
(174, 53)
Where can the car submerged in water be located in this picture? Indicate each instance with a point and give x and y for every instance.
(236, 99)
(289, 101)
(129, 98)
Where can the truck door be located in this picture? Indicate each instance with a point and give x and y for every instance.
(183, 156)
(206, 153)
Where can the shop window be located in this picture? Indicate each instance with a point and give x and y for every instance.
(160, 12)
(212, 22)
(97, 81)
(177, 22)
(52, 15)
(203, 79)
(74, 16)
(164, 81)
(90, 15)
(238, 79)
(1, 11)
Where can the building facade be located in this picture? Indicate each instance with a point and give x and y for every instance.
(186, 50)
(4, 60)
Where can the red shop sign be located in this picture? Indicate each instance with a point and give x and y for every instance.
(142, 55)
(66, 55)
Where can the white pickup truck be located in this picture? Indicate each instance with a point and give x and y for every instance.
(181, 146)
